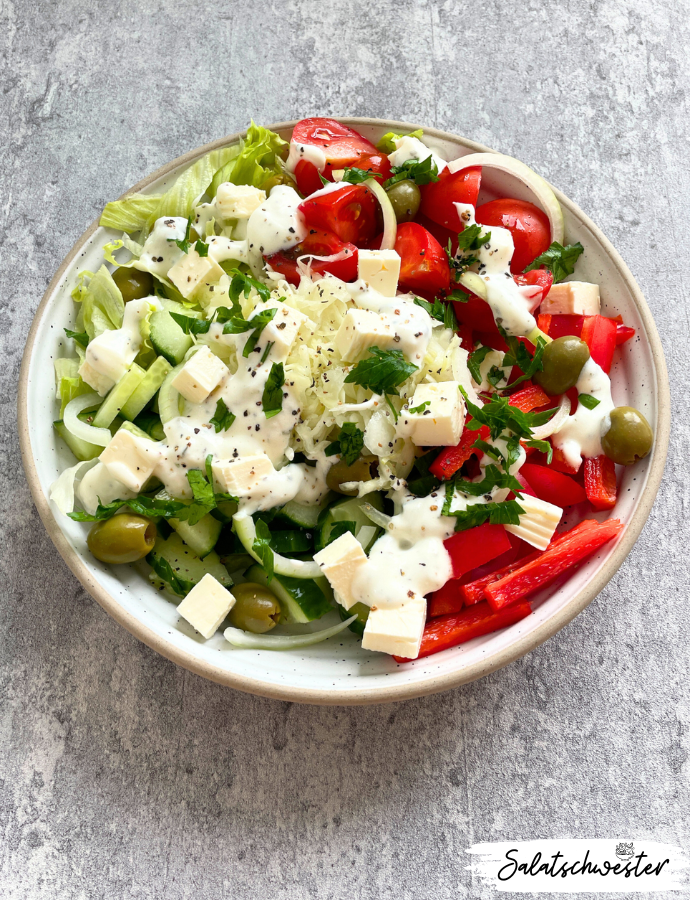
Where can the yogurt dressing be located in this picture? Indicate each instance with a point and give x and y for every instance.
(581, 434)
(308, 152)
(509, 304)
(113, 352)
(160, 251)
(408, 147)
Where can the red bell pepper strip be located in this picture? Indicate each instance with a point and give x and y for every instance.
(551, 564)
(544, 322)
(529, 397)
(526, 487)
(552, 486)
(452, 459)
(449, 631)
(560, 464)
(599, 333)
(561, 325)
(476, 546)
(623, 334)
(445, 600)
(600, 482)
(472, 592)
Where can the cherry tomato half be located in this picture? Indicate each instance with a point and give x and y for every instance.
(424, 266)
(342, 146)
(439, 197)
(318, 243)
(528, 225)
(538, 278)
(349, 213)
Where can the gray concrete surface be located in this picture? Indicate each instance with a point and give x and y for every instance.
(122, 776)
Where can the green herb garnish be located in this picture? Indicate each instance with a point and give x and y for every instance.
(262, 547)
(558, 259)
(349, 443)
(272, 398)
(222, 419)
(588, 400)
(81, 337)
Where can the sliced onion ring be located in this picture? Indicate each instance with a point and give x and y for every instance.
(305, 268)
(543, 194)
(390, 223)
(555, 423)
(89, 433)
(248, 641)
(376, 516)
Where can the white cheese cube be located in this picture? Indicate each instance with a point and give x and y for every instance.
(242, 475)
(361, 329)
(538, 523)
(99, 382)
(380, 269)
(339, 562)
(436, 415)
(126, 459)
(206, 605)
(572, 298)
(396, 630)
(221, 248)
(282, 330)
(200, 375)
(238, 201)
(193, 270)
(99, 486)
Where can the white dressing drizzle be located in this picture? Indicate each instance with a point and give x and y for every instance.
(408, 147)
(580, 435)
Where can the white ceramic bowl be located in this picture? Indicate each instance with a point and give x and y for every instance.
(339, 671)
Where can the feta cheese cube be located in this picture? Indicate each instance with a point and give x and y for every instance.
(361, 329)
(436, 415)
(396, 630)
(221, 248)
(200, 375)
(242, 475)
(127, 460)
(538, 523)
(206, 605)
(339, 562)
(193, 270)
(99, 486)
(238, 201)
(99, 382)
(572, 298)
(282, 330)
(380, 269)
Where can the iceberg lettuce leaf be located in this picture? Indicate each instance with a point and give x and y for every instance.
(256, 161)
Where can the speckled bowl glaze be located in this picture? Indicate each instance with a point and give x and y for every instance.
(339, 671)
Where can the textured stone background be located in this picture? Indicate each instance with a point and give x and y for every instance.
(122, 776)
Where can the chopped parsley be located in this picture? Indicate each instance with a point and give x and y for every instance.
(440, 310)
(164, 570)
(272, 398)
(191, 325)
(222, 419)
(418, 410)
(382, 372)
(143, 506)
(339, 529)
(81, 337)
(518, 355)
(558, 259)
(499, 416)
(543, 447)
(349, 443)
(474, 361)
(242, 284)
(423, 171)
(588, 400)
(469, 242)
(238, 324)
(357, 176)
(505, 513)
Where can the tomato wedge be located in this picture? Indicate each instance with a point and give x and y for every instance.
(348, 212)
(541, 278)
(318, 243)
(424, 266)
(342, 147)
(528, 225)
(439, 197)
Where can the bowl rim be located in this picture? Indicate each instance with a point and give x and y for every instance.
(380, 694)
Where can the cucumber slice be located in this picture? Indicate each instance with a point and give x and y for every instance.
(169, 398)
(118, 396)
(349, 510)
(83, 450)
(202, 537)
(293, 568)
(304, 516)
(224, 511)
(361, 610)
(185, 563)
(168, 339)
(151, 424)
(292, 541)
(231, 552)
(136, 431)
(177, 307)
(143, 394)
(301, 599)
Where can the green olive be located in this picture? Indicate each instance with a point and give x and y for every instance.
(563, 361)
(122, 539)
(629, 438)
(133, 284)
(360, 470)
(256, 608)
(405, 198)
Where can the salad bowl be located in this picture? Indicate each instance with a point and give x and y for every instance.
(338, 671)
